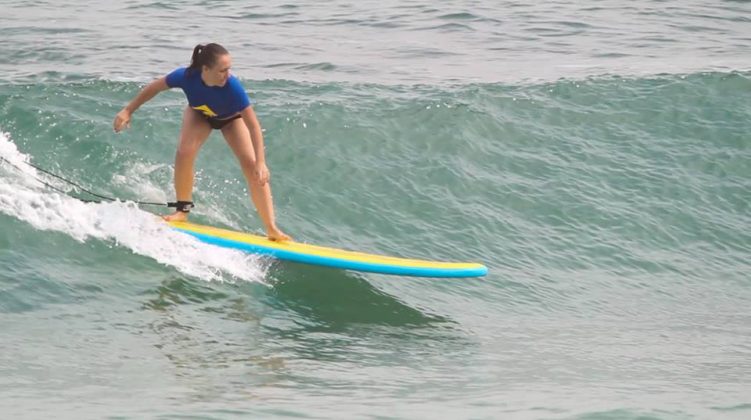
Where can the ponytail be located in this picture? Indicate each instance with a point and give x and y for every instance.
(205, 55)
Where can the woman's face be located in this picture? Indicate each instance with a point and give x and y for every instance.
(218, 74)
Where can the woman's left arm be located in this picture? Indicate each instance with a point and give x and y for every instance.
(256, 137)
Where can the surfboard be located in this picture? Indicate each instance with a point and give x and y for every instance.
(328, 257)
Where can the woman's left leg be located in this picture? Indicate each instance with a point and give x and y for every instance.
(237, 136)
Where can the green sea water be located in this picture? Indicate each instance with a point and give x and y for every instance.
(608, 194)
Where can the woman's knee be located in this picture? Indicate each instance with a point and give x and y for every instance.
(186, 152)
(247, 162)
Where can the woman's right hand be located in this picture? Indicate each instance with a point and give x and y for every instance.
(122, 120)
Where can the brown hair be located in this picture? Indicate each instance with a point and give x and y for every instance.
(206, 55)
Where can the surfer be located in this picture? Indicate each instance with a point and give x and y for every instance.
(216, 100)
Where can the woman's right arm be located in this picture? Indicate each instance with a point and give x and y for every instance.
(122, 119)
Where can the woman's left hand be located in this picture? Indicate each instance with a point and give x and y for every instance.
(261, 173)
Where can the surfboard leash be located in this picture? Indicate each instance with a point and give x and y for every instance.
(100, 196)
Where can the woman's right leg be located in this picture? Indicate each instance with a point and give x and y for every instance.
(193, 134)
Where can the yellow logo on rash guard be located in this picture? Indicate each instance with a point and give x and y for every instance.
(206, 110)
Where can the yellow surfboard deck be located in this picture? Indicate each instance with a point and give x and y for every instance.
(329, 257)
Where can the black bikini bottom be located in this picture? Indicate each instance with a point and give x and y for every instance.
(217, 124)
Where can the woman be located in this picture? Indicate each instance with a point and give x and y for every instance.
(216, 100)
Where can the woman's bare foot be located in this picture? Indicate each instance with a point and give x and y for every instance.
(178, 216)
(274, 234)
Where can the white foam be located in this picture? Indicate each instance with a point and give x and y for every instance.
(137, 182)
(122, 223)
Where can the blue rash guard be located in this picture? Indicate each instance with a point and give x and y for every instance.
(214, 102)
